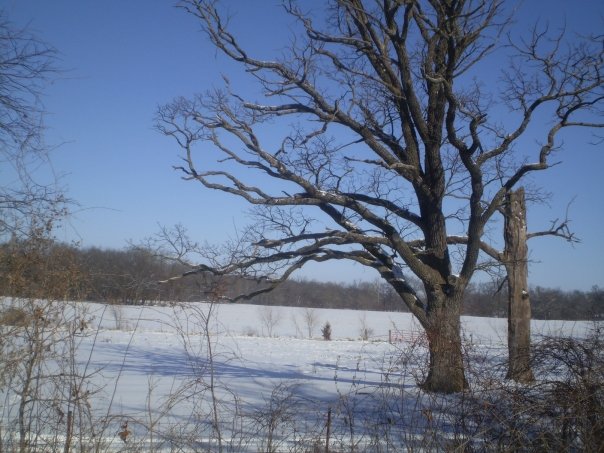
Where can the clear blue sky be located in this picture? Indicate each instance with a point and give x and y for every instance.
(122, 58)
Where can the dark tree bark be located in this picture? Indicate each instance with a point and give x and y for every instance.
(446, 369)
(515, 258)
(386, 139)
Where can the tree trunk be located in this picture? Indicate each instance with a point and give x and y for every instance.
(446, 369)
(519, 306)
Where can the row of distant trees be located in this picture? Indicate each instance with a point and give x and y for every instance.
(135, 275)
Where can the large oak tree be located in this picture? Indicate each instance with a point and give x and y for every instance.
(393, 148)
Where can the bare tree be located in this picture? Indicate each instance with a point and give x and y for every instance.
(311, 320)
(389, 136)
(269, 319)
(26, 65)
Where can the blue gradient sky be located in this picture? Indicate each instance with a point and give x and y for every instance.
(122, 58)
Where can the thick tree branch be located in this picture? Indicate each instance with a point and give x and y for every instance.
(382, 131)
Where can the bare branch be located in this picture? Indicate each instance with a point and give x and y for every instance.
(381, 127)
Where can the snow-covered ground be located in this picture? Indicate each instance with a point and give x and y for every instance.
(153, 366)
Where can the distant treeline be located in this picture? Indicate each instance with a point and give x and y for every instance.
(133, 276)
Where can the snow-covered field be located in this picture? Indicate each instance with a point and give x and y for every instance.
(155, 367)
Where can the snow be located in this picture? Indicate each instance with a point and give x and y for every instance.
(148, 362)
(147, 341)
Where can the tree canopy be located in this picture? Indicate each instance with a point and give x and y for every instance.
(394, 151)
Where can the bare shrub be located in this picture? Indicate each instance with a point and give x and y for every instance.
(573, 390)
(118, 317)
(365, 331)
(276, 421)
(563, 410)
(297, 327)
(270, 318)
(47, 393)
(311, 320)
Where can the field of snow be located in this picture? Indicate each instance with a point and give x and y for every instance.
(155, 366)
